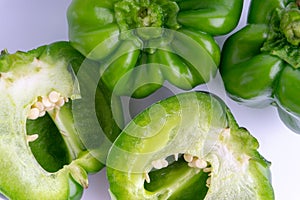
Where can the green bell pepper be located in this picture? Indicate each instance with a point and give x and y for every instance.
(44, 154)
(142, 43)
(260, 63)
(187, 147)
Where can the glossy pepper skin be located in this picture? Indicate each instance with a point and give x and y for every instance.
(187, 146)
(44, 155)
(260, 63)
(142, 43)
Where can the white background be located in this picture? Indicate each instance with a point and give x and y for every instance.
(27, 24)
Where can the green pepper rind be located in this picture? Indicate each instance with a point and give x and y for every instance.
(260, 62)
(195, 123)
(140, 29)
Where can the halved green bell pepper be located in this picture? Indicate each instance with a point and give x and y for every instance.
(44, 154)
(142, 43)
(260, 63)
(188, 146)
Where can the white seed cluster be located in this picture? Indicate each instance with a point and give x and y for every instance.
(176, 156)
(54, 100)
(193, 162)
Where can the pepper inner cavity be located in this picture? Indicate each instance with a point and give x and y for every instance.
(47, 144)
(180, 168)
(43, 136)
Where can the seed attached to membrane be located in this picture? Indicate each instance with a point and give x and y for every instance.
(208, 182)
(46, 102)
(207, 169)
(60, 102)
(31, 138)
(39, 105)
(158, 164)
(54, 97)
(194, 161)
(33, 113)
(176, 156)
(188, 157)
(198, 163)
(146, 177)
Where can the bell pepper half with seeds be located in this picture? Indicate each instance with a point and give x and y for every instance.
(43, 155)
(128, 36)
(261, 62)
(187, 146)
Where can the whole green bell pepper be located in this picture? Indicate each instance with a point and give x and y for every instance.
(169, 40)
(260, 63)
(44, 154)
(187, 147)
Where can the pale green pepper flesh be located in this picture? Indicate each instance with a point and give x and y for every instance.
(35, 165)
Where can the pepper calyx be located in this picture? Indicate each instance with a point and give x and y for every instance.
(132, 14)
(290, 24)
(284, 35)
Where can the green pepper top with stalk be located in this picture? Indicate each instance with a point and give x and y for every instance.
(44, 154)
(260, 63)
(187, 147)
(142, 43)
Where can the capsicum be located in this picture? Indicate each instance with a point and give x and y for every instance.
(142, 43)
(43, 152)
(187, 146)
(260, 63)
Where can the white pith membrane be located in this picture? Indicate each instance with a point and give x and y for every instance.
(192, 162)
(52, 102)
